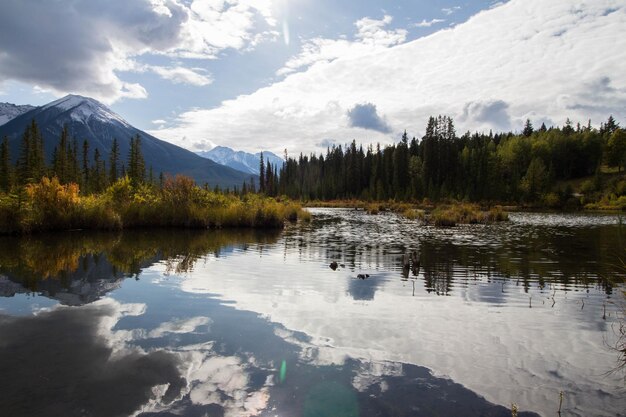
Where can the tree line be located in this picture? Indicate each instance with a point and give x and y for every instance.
(70, 163)
(515, 167)
(524, 167)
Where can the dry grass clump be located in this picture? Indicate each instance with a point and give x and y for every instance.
(448, 216)
(414, 214)
(496, 214)
(374, 208)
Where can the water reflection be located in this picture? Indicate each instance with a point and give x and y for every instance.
(81, 364)
(80, 267)
(234, 323)
(575, 251)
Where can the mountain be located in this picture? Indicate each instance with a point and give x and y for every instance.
(89, 119)
(10, 111)
(239, 160)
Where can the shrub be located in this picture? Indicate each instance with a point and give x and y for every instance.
(53, 205)
(180, 203)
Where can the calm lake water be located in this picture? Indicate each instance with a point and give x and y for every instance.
(244, 323)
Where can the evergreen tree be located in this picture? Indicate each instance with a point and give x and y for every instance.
(5, 166)
(269, 178)
(60, 166)
(261, 174)
(31, 163)
(528, 128)
(74, 174)
(85, 176)
(114, 158)
(136, 164)
(610, 126)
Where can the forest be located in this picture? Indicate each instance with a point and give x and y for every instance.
(552, 167)
(557, 167)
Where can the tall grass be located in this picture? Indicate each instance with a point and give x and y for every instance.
(49, 205)
(466, 214)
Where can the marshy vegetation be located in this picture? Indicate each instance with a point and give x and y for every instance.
(446, 213)
(466, 214)
(179, 202)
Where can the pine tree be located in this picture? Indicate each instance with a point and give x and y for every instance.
(114, 158)
(74, 164)
(24, 160)
(5, 166)
(269, 177)
(85, 175)
(31, 163)
(528, 128)
(611, 126)
(97, 173)
(60, 166)
(136, 164)
(261, 175)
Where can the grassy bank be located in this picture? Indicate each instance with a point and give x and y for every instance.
(49, 205)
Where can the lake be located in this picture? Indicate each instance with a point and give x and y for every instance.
(246, 323)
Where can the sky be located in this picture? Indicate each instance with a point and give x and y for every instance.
(303, 75)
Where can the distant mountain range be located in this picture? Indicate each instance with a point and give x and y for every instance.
(241, 161)
(89, 119)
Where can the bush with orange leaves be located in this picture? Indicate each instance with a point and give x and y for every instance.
(52, 205)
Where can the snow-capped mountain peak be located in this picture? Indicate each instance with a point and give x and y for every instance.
(240, 160)
(10, 111)
(91, 121)
(82, 109)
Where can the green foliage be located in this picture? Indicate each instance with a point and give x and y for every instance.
(474, 167)
(616, 155)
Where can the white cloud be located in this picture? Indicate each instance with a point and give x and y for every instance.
(182, 75)
(533, 56)
(428, 23)
(81, 46)
(371, 36)
(179, 326)
(449, 10)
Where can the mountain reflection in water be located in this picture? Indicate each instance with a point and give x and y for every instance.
(202, 322)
